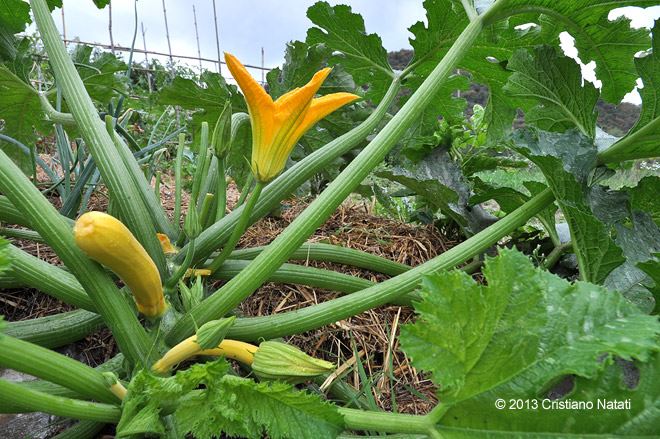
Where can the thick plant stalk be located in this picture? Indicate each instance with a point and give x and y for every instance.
(55, 330)
(221, 190)
(115, 174)
(284, 185)
(113, 365)
(369, 420)
(625, 148)
(82, 430)
(178, 180)
(28, 235)
(315, 316)
(28, 400)
(148, 195)
(317, 251)
(202, 159)
(117, 313)
(232, 293)
(49, 365)
(32, 271)
(300, 275)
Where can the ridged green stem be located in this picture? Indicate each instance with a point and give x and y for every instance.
(33, 401)
(32, 271)
(181, 269)
(333, 253)
(286, 184)
(53, 115)
(55, 330)
(238, 231)
(315, 316)
(28, 235)
(300, 275)
(624, 149)
(42, 216)
(369, 420)
(49, 365)
(221, 190)
(115, 174)
(245, 190)
(82, 430)
(237, 289)
(202, 153)
(206, 209)
(178, 181)
(113, 365)
(139, 180)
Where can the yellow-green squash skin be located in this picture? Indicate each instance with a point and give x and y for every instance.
(109, 242)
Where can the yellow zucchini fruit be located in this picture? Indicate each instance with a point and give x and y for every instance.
(109, 242)
(188, 348)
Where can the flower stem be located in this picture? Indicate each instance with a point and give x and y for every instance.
(178, 180)
(221, 190)
(239, 229)
(292, 178)
(181, 270)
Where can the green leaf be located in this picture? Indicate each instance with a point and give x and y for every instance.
(646, 132)
(551, 88)
(438, 179)
(100, 73)
(639, 238)
(361, 54)
(21, 111)
(5, 262)
(226, 404)
(208, 96)
(652, 269)
(516, 336)
(101, 3)
(611, 44)
(644, 197)
(241, 407)
(301, 62)
(486, 60)
(567, 160)
(648, 68)
(14, 15)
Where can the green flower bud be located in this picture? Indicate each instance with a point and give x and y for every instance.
(210, 334)
(279, 361)
(221, 138)
(191, 225)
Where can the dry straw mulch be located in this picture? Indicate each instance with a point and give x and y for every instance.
(393, 383)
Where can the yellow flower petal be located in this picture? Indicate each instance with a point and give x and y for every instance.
(278, 125)
(320, 108)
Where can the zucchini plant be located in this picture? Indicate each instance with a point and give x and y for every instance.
(495, 349)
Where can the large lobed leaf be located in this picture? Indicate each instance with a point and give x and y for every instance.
(516, 336)
(550, 89)
(567, 161)
(612, 44)
(21, 111)
(227, 404)
(361, 54)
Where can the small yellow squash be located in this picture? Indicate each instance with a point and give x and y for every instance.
(109, 242)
